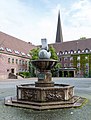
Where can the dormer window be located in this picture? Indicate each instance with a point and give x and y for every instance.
(79, 51)
(58, 53)
(66, 52)
(8, 50)
(83, 51)
(1, 48)
(17, 52)
(71, 51)
(74, 51)
(23, 53)
(28, 55)
(86, 50)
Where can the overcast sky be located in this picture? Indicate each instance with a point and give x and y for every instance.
(31, 20)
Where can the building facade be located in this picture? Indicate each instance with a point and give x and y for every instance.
(74, 56)
(14, 55)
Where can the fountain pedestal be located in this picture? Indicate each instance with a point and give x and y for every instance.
(45, 94)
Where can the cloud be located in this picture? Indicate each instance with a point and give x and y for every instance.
(17, 19)
(77, 20)
(30, 24)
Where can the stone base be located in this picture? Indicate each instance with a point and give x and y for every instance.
(42, 84)
(72, 103)
(44, 98)
(31, 93)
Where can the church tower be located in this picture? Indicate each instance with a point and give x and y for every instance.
(59, 36)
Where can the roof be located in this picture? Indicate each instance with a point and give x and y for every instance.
(15, 46)
(73, 45)
(59, 36)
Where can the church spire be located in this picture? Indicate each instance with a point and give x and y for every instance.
(59, 36)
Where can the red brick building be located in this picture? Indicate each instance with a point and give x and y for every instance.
(14, 55)
(74, 56)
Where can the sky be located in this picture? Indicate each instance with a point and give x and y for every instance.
(33, 20)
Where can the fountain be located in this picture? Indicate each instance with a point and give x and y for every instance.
(45, 94)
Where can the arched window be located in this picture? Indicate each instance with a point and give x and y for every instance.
(66, 52)
(12, 60)
(8, 60)
(71, 52)
(60, 53)
(79, 51)
(16, 61)
(86, 50)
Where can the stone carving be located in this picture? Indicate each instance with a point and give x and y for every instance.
(28, 95)
(44, 52)
(54, 95)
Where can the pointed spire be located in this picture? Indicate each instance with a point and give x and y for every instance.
(59, 36)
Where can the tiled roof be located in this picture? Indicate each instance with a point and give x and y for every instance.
(12, 45)
(73, 45)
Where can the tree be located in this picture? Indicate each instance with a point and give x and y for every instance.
(82, 38)
(34, 55)
(53, 53)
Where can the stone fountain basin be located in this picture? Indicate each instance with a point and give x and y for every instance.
(60, 92)
(44, 64)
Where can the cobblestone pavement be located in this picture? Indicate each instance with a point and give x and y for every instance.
(82, 88)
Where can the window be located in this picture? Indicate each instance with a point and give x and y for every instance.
(79, 51)
(86, 57)
(66, 52)
(71, 51)
(78, 58)
(66, 65)
(65, 58)
(71, 58)
(8, 60)
(26, 62)
(83, 51)
(1, 48)
(16, 61)
(86, 50)
(60, 59)
(12, 60)
(60, 53)
(17, 52)
(74, 51)
(28, 55)
(8, 50)
(71, 64)
(78, 64)
(20, 62)
(87, 65)
(23, 53)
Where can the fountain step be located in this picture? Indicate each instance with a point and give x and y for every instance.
(74, 102)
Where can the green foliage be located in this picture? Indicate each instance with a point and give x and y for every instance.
(82, 38)
(53, 53)
(83, 62)
(34, 53)
(55, 69)
(90, 66)
(24, 74)
(75, 60)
